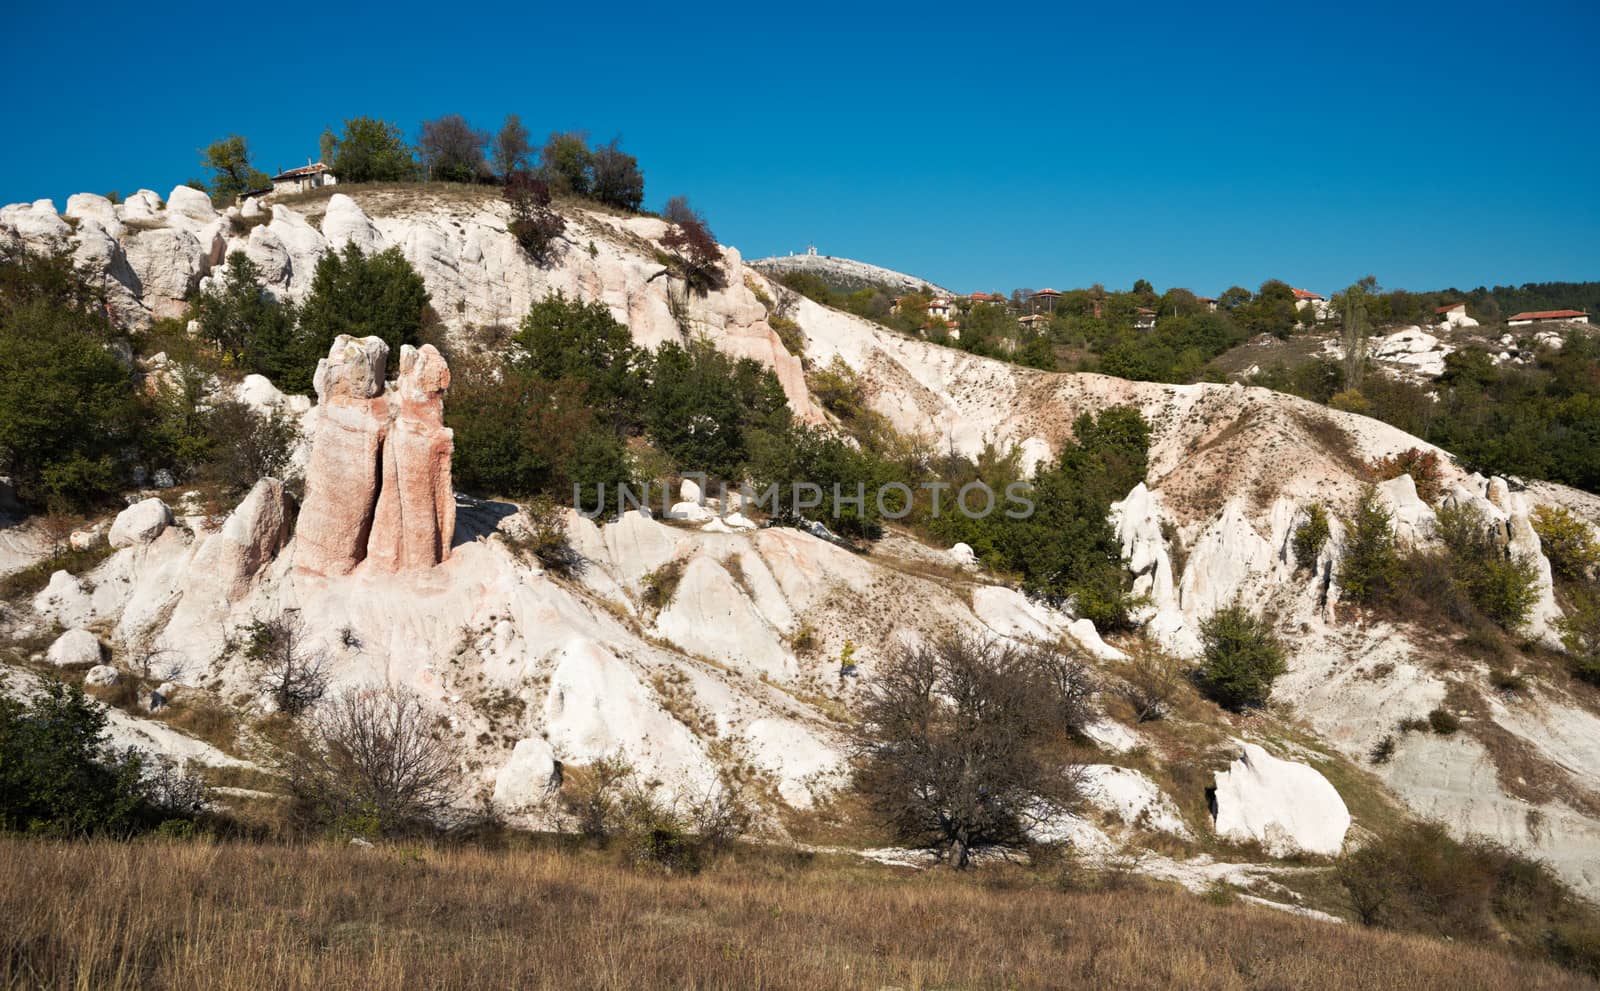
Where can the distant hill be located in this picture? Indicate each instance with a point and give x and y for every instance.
(846, 275)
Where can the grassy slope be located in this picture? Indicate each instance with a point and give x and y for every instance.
(162, 915)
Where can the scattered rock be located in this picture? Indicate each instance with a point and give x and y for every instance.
(75, 649)
(140, 523)
(102, 676)
(963, 555)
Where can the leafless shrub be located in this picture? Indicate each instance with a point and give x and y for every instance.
(954, 747)
(293, 672)
(1151, 680)
(374, 763)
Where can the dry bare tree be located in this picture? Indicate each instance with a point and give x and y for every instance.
(292, 669)
(958, 747)
(375, 762)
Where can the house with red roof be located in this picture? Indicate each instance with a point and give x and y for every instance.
(1547, 316)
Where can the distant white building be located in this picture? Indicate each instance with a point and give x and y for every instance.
(941, 308)
(1454, 315)
(1144, 318)
(304, 179)
(1548, 316)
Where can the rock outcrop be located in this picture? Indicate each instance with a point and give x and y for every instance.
(140, 523)
(1287, 807)
(378, 482)
(75, 649)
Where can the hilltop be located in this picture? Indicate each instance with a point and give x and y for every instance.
(846, 275)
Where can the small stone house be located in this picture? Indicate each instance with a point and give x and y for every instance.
(1547, 316)
(303, 179)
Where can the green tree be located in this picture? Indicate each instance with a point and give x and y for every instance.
(1371, 565)
(452, 150)
(68, 410)
(566, 163)
(1240, 660)
(617, 179)
(60, 776)
(511, 148)
(252, 329)
(228, 161)
(372, 150)
(570, 339)
(701, 403)
(377, 295)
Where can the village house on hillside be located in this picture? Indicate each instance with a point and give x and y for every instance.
(1454, 315)
(1547, 316)
(1144, 318)
(304, 179)
(1044, 299)
(941, 309)
(1305, 297)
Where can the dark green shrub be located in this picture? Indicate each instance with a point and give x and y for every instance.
(1310, 536)
(1241, 658)
(60, 776)
(1371, 564)
(253, 331)
(1567, 541)
(1580, 635)
(1443, 722)
(1501, 586)
(377, 295)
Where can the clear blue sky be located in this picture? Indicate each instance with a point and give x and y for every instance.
(982, 147)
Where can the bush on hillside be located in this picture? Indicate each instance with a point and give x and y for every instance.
(1241, 658)
(534, 222)
(1422, 466)
(954, 750)
(371, 150)
(1311, 536)
(60, 776)
(377, 295)
(1419, 879)
(1580, 634)
(373, 763)
(1501, 586)
(1567, 541)
(1371, 563)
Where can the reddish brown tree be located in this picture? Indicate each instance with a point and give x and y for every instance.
(534, 223)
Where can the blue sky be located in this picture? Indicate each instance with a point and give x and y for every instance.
(984, 148)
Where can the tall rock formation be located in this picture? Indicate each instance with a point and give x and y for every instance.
(378, 482)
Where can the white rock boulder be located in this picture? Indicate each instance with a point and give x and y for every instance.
(102, 676)
(140, 523)
(1285, 806)
(963, 555)
(529, 777)
(75, 649)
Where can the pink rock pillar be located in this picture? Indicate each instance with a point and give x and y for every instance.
(415, 517)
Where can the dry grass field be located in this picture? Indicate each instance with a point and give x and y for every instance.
(158, 914)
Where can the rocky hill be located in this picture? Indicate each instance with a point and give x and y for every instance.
(846, 275)
(532, 668)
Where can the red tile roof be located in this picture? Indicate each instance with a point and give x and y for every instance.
(1047, 292)
(1305, 294)
(1547, 315)
(1446, 308)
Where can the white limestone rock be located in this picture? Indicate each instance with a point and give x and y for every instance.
(74, 649)
(64, 600)
(1285, 806)
(1414, 521)
(529, 778)
(1132, 798)
(346, 223)
(102, 676)
(140, 523)
(186, 201)
(963, 555)
(36, 222)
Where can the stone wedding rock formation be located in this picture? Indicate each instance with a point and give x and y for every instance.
(378, 483)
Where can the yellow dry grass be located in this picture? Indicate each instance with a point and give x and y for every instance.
(202, 915)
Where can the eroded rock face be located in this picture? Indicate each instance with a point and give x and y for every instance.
(378, 482)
